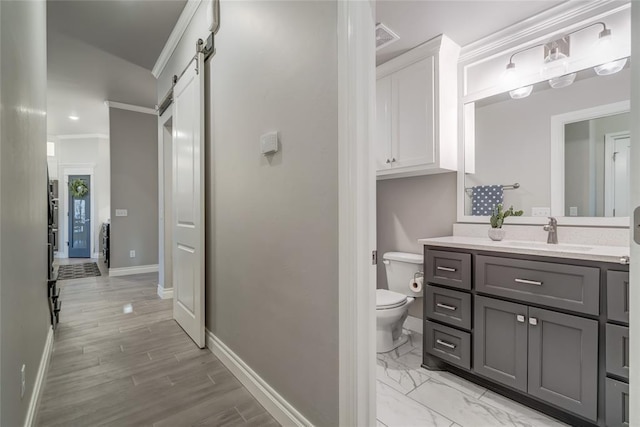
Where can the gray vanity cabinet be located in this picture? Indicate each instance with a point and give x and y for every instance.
(563, 361)
(500, 341)
(549, 355)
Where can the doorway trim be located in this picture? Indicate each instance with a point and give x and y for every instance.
(65, 171)
(356, 212)
(165, 270)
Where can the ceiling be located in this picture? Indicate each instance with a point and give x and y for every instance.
(99, 50)
(462, 21)
(135, 30)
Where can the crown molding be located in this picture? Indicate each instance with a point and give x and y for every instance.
(83, 136)
(551, 19)
(130, 107)
(175, 36)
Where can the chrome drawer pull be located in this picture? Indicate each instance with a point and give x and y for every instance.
(529, 282)
(446, 344)
(449, 269)
(446, 307)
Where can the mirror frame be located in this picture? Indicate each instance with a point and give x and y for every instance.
(558, 123)
(467, 148)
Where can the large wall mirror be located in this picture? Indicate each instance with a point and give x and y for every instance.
(560, 152)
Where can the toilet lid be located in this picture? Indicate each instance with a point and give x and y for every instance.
(389, 299)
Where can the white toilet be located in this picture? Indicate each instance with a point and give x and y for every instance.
(392, 306)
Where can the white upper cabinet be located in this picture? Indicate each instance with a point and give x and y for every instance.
(417, 111)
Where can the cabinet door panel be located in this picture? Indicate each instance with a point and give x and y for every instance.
(413, 92)
(383, 123)
(563, 361)
(500, 341)
(617, 350)
(617, 406)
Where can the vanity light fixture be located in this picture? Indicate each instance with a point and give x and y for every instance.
(556, 62)
(521, 92)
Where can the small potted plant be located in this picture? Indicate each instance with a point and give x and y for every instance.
(497, 219)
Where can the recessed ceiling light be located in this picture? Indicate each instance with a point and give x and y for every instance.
(72, 117)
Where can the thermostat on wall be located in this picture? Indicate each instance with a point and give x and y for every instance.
(269, 143)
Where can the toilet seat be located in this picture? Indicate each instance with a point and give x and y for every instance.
(386, 299)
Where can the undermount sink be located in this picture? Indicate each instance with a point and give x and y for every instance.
(547, 246)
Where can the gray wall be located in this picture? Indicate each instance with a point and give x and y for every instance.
(513, 137)
(409, 209)
(24, 315)
(134, 186)
(272, 223)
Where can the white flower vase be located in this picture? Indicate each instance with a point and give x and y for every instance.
(496, 234)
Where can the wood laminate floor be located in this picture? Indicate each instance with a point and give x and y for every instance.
(120, 359)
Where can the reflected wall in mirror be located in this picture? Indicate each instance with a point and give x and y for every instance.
(511, 142)
(596, 169)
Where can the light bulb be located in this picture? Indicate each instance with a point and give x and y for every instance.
(609, 68)
(521, 92)
(509, 76)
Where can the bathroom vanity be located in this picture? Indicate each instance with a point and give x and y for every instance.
(546, 325)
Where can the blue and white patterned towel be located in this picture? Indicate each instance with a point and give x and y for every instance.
(484, 198)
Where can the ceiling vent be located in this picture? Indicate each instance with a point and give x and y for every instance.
(384, 36)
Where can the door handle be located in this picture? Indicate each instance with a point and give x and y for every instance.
(446, 344)
(528, 282)
(446, 306)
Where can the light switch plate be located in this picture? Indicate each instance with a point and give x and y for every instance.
(540, 211)
(269, 143)
(573, 211)
(121, 212)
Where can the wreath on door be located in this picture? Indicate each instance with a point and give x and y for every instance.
(78, 188)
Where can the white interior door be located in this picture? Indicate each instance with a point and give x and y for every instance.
(188, 202)
(617, 174)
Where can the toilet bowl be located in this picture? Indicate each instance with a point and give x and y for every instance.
(392, 305)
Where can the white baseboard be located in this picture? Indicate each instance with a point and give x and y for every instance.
(96, 255)
(414, 324)
(277, 406)
(128, 271)
(165, 293)
(38, 384)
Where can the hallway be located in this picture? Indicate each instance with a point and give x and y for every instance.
(120, 359)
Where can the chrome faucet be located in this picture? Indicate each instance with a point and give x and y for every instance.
(552, 228)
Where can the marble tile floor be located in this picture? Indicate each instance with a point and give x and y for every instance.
(120, 359)
(409, 395)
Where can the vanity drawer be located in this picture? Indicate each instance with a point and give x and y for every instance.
(448, 306)
(449, 344)
(448, 269)
(618, 350)
(618, 296)
(617, 403)
(568, 287)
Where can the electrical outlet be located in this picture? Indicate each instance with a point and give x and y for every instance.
(573, 211)
(121, 212)
(23, 381)
(540, 211)
(132, 254)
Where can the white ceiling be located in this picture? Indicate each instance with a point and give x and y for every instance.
(462, 21)
(81, 77)
(100, 50)
(135, 30)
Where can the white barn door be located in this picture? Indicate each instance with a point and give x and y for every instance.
(188, 201)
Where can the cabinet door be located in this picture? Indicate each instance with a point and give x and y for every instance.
(413, 118)
(383, 123)
(500, 342)
(563, 361)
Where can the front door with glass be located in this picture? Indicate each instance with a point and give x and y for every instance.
(79, 217)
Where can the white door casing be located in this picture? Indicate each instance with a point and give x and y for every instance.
(188, 201)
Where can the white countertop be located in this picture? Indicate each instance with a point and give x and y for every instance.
(612, 254)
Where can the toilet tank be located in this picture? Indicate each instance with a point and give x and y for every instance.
(401, 267)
